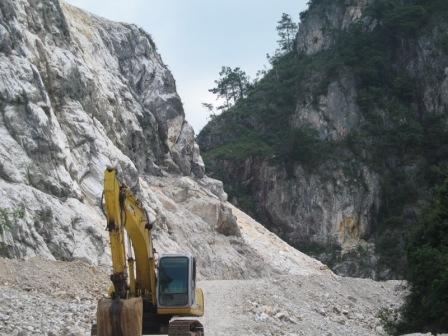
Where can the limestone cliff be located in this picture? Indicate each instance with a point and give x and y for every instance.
(335, 149)
(79, 93)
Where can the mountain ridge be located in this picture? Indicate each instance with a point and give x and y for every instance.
(340, 146)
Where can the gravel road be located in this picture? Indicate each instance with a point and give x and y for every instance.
(39, 297)
(300, 305)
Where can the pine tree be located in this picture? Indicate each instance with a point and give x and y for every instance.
(287, 31)
(232, 85)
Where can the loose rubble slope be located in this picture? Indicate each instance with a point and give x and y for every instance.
(280, 291)
(283, 305)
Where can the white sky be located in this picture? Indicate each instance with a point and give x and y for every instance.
(197, 37)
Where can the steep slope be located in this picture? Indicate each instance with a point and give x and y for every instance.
(78, 93)
(340, 144)
(192, 215)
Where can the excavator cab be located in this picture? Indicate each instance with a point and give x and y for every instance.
(176, 281)
(176, 286)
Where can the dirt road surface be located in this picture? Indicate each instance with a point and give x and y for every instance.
(39, 297)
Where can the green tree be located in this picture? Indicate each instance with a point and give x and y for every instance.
(427, 305)
(287, 31)
(232, 85)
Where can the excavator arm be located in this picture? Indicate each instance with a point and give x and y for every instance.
(125, 212)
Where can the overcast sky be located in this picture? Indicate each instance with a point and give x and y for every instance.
(197, 37)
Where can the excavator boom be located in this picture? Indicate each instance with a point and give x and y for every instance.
(125, 212)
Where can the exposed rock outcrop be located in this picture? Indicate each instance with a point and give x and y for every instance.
(323, 20)
(79, 93)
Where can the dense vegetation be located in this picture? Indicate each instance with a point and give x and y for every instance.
(405, 133)
(401, 140)
(426, 308)
(264, 113)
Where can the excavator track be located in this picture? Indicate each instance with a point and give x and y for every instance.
(185, 328)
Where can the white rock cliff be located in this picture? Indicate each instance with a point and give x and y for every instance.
(79, 93)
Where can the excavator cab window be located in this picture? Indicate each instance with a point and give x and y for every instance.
(173, 281)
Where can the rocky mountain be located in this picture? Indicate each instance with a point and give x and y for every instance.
(80, 93)
(339, 147)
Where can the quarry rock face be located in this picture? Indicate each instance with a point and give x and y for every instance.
(79, 93)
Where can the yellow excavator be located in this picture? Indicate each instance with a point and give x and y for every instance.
(148, 296)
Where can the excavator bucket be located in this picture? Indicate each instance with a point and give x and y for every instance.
(118, 317)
